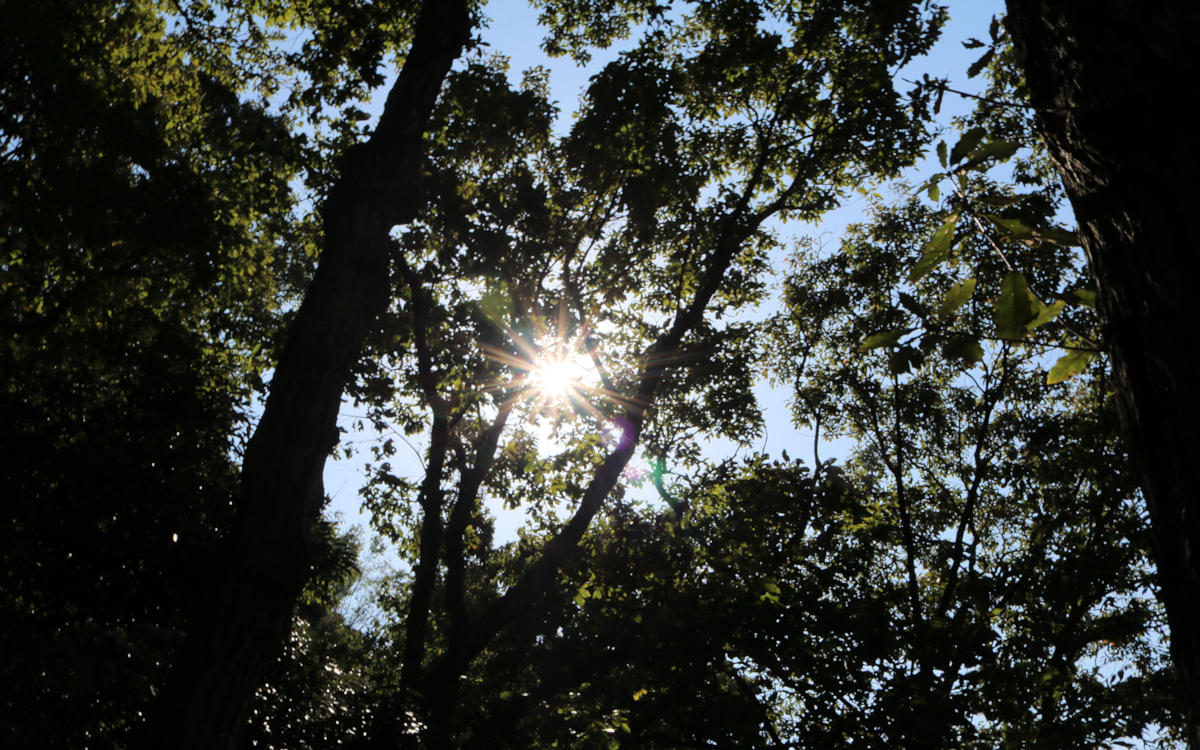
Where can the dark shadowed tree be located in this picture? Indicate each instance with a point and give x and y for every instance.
(1106, 80)
(265, 559)
(155, 181)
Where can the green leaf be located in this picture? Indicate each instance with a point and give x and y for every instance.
(1060, 236)
(1015, 306)
(1072, 363)
(972, 43)
(1011, 228)
(883, 338)
(1000, 150)
(966, 144)
(1046, 313)
(941, 152)
(937, 250)
(981, 63)
(963, 348)
(771, 591)
(956, 298)
(1000, 201)
(1085, 297)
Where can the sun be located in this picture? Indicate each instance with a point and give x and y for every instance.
(558, 376)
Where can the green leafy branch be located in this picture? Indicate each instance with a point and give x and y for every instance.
(1017, 310)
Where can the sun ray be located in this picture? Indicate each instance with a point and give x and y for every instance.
(560, 372)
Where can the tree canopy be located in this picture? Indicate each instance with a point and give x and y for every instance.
(208, 247)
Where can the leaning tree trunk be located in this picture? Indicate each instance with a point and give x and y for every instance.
(1109, 79)
(265, 560)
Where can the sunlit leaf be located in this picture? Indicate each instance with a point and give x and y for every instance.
(1015, 307)
(956, 298)
(1072, 363)
(883, 338)
(937, 250)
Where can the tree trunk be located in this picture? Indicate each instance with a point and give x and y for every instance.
(265, 560)
(1108, 79)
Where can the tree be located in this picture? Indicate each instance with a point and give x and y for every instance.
(150, 240)
(546, 310)
(265, 562)
(1103, 80)
(141, 267)
(983, 492)
(624, 244)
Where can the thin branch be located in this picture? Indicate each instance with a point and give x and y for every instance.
(981, 463)
(460, 515)
(431, 495)
(941, 86)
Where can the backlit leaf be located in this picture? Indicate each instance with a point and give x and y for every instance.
(1060, 236)
(1072, 363)
(1000, 150)
(981, 63)
(1011, 228)
(883, 338)
(1085, 297)
(904, 359)
(913, 305)
(1015, 307)
(1047, 313)
(937, 250)
(963, 348)
(956, 298)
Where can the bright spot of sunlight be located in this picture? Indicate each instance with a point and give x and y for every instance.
(559, 375)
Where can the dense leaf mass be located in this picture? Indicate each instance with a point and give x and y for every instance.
(580, 314)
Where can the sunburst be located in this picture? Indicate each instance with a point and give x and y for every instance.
(559, 375)
(557, 369)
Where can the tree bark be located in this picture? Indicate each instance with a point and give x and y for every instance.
(265, 562)
(1108, 79)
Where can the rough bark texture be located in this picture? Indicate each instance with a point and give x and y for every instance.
(1111, 80)
(265, 560)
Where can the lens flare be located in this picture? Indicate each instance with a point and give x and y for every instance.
(558, 376)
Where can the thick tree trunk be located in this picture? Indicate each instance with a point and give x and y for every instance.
(1110, 79)
(266, 557)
